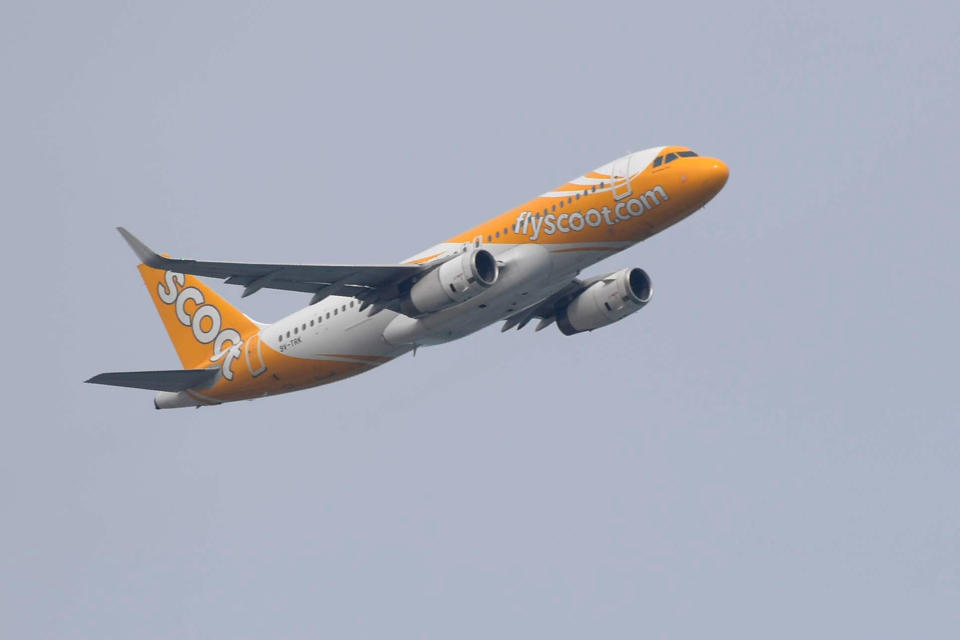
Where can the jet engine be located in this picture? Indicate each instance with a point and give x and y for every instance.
(604, 302)
(456, 280)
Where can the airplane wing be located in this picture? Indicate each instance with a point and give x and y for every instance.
(548, 308)
(320, 280)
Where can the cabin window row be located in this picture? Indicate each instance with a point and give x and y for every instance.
(316, 321)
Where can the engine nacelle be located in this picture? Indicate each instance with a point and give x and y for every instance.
(604, 302)
(456, 280)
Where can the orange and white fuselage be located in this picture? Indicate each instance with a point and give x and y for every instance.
(539, 249)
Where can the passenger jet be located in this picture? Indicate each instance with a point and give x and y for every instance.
(521, 266)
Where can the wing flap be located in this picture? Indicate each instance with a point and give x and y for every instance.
(175, 380)
(546, 310)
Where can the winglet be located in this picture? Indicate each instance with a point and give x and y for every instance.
(147, 255)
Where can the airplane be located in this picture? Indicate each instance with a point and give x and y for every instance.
(520, 266)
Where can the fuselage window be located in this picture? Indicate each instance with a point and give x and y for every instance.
(658, 161)
(670, 157)
(489, 239)
(498, 234)
(343, 308)
(594, 188)
(304, 326)
(328, 315)
(351, 304)
(569, 200)
(505, 229)
(294, 331)
(311, 322)
(686, 154)
(578, 196)
(280, 338)
(334, 312)
(288, 334)
(553, 208)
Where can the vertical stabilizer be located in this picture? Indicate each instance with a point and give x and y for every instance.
(202, 326)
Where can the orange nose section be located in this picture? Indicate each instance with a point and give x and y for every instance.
(716, 176)
(710, 176)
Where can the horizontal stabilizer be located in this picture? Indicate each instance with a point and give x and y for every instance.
(176, 380)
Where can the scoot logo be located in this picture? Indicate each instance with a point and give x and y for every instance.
(576, 221)
(205, 320)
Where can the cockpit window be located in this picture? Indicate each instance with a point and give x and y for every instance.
(670, 157)
(686, 154)
(658, 161)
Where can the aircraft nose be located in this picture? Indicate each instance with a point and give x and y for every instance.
(717, 174)
(712, 174)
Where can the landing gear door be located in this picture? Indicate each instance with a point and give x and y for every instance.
(620, 178)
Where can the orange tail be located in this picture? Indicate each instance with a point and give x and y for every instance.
(202, 326)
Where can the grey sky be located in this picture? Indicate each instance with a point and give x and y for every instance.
(769, 449)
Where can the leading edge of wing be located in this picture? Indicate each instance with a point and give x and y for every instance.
(254, 276)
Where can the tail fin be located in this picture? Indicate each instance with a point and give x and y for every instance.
(202, 326)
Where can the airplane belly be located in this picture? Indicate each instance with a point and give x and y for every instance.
(528, 275)
(361, 335)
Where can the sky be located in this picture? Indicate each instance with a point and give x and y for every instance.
(768, 449)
